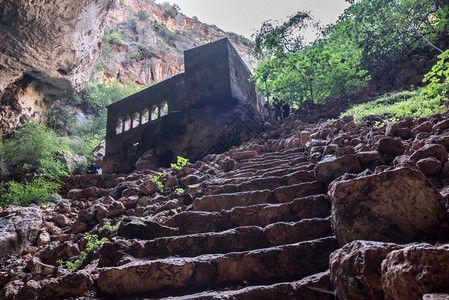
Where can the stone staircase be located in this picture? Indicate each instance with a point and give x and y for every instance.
(260, 231)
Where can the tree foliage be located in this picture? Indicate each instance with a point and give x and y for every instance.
(366, 36)
(34, 148)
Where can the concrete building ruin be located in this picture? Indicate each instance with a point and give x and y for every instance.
(207, 109)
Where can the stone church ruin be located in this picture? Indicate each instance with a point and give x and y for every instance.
(207, 109)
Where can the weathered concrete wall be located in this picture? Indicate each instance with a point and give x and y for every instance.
(211, 107)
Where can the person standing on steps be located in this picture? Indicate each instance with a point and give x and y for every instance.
(285, 110)
(277, 109)
(93, 168)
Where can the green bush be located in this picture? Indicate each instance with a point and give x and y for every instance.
(170, 11)
(38, 191)
(93, 243)
(143, 15)
(397, 105)
(34, 147)
(61, 120)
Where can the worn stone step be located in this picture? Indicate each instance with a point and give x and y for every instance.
(238, 239)
(275, 155)
(272, 161)
(255, 183)
(315, 287)
(262, 266)
(317, 206)
(277, 171)
(217, 202)
(266, 165)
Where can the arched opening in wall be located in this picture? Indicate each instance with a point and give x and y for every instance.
(136, 120)
(145, 116)
(127, 124)
(154, 112)
(119, 126)
(164, 108)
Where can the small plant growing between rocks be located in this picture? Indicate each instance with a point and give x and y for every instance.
(93, 243)
(109, 227)
(179, 190)
(156, 179)
(181, 162)
(146, 218)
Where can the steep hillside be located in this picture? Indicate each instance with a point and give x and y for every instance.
(144, 41)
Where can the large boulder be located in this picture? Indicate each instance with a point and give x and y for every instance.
(356, 269)
(414, 271)
(332, 167)
(19, 227)
(398, 205)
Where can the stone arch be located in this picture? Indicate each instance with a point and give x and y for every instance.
(163, 109)
(145, 116)
(119, 126)
(136, 120)
(127, 124)
(154, 112)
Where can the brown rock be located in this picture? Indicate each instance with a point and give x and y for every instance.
(429, 166)
(442, 125)
(390, 147)
(71, 285)
(433, 150)
(133, 227)
(43, 238)
(411, 272)
(148, 187)
(355, 269)
(370, 157)
(398, 205)
(332, 168)
(61, 220)
(19, 227)
(115, 209)
(423, 127)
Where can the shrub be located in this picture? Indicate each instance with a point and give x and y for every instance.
(143, 15)
(38, 191)
(170, 11)
(93, 243)
(80, 168)
(61, 120)
(181, 162)
(35, 147)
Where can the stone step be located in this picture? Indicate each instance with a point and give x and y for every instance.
(255, 183)
(274, 155)
(315, 287)
(272, 161)
(277, 171)
(262, 266)
(238, 239)
(217, 202)
(187, 222)
(267, 165)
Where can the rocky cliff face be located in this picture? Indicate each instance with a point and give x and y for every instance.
(48, 48)
(144, 41)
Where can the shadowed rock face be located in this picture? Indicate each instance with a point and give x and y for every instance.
(54, 44)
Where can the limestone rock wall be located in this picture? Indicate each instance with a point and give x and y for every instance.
(48, 48)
